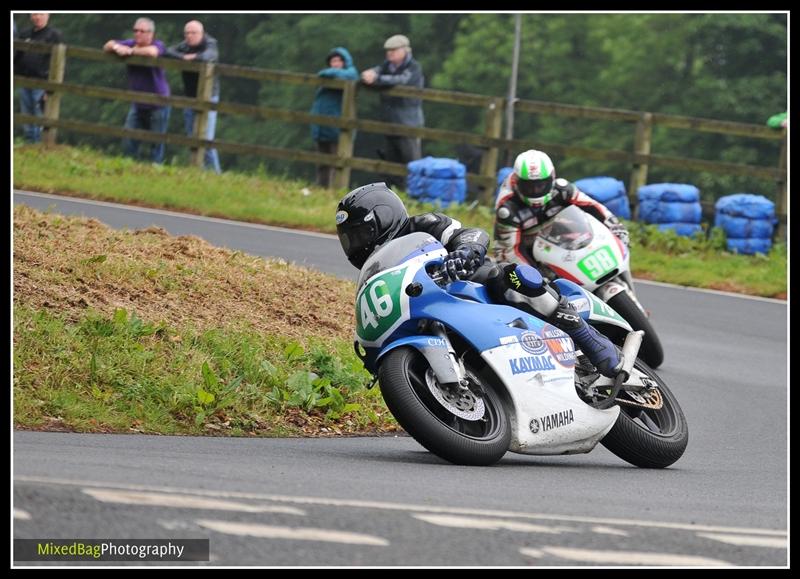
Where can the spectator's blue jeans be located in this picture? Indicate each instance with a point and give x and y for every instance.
(31, 104)
(211, 158)
(155, 120)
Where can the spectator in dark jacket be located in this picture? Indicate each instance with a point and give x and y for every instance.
(150, 79)
(35, 65)
(399, 68)
(328, 101)
(198, 46)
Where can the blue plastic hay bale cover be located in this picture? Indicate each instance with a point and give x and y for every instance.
(669, 192)
(608, 191)
(652, 211)
(437, 180)
(440, 168)
(441, 192)
(746, 205)
(501, 176)
(620, 207)
(602, 189)
(685, 229)
(742, 227)
(749, 246)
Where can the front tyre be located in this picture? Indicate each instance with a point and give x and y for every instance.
(645, 434)
(468, 429)
(651, 350)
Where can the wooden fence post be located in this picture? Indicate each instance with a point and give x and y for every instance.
(341, 179)
(641, 145)
(205, 87)
(780, 206)
(494, 127)
(52, 106)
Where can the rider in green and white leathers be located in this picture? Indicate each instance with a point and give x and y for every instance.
(530, 196)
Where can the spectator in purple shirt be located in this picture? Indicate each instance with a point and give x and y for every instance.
(144, 79)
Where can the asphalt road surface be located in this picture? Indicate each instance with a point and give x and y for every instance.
(387, 501)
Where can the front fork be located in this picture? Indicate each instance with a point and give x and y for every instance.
(438, 330)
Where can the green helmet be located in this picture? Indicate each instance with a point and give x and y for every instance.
(533, 178)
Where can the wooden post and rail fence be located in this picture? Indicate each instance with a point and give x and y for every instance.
(490, 140)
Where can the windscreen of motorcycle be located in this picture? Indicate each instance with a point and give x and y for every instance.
(395, 252)
(569, 229)
(382, 305)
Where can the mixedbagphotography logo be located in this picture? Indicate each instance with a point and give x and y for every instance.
(111, 549)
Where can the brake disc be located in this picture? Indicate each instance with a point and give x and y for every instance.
(463, 402)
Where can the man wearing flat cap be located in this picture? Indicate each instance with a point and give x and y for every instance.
(399, 68)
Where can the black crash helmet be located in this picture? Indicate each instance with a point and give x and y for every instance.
(366, 218)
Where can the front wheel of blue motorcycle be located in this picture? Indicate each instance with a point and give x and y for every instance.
(464, 426)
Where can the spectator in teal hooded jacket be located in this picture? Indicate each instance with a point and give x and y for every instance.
(328, 101)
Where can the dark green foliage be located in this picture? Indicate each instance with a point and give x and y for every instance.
(721, 66)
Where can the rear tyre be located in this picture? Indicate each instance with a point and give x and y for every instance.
(649, 437)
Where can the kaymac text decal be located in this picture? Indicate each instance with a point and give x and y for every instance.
(531, 364)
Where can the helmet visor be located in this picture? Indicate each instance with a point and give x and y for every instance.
(357, 241)
(534, 188)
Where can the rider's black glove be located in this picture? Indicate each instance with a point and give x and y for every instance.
(462, 263)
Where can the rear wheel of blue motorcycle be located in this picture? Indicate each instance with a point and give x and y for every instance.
(648, 437)
(469, 442)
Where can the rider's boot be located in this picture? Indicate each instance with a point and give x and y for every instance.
(602, 353)
(530, 289)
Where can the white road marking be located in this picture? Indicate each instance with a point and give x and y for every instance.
(492, 524)
(603, 530)
(359, 504)
(182, 501)
(773, 542)
(292, 533)
(606, 557)
(176, 525)
(22, 515)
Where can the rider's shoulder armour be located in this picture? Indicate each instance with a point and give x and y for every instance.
(508, 212)
(564, 187)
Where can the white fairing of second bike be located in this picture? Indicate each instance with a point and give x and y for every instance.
(603, 253)
(547, 416)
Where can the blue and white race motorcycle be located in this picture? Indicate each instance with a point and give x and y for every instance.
(470, 379)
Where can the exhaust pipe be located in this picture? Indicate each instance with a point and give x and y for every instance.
(630, 349)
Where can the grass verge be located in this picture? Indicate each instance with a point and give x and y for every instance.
(120, 331)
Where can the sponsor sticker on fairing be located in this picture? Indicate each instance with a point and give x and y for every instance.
(532, 343)
(560, 345)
